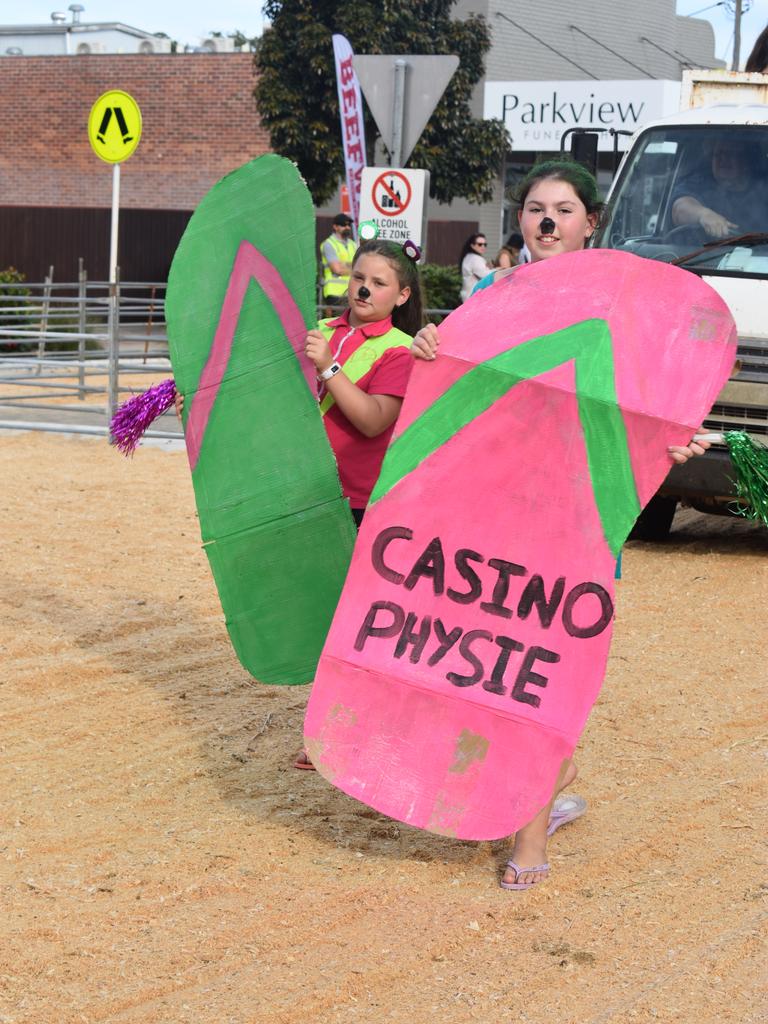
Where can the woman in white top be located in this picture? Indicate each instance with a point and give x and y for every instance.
(472, 264)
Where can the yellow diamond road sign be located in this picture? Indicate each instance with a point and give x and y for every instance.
(114, 126)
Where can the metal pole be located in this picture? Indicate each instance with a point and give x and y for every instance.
(44, 317)
(736, 35)
(149, 320)
(82, 277)
(114, 308)
(115, 220)
(398, 113)
(113, 356)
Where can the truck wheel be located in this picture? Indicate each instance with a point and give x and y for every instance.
(655, 520)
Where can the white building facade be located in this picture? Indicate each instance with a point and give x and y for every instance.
(608, 64)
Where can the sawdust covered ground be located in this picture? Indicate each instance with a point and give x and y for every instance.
(160, 861)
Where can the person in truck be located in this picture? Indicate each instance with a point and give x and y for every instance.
(729, 196)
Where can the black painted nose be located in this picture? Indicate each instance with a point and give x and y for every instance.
(363, 293)
(547, 226)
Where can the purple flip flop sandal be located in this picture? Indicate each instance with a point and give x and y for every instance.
(565, 808)
(519, 871)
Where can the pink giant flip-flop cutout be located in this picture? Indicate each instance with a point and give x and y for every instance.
(471, 637)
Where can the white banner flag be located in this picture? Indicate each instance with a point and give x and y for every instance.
(352, 126)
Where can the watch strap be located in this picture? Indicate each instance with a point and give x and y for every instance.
(330, 371)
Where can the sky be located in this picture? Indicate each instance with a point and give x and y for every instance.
(190, 20)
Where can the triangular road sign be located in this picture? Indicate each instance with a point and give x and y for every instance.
(425, 82)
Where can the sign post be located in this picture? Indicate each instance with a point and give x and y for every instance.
(402, 92)
(114, 131)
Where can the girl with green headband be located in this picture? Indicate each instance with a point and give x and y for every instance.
(559, 209)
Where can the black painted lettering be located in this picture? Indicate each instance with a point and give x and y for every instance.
(380, 546)
(369, 629)
(605, 616)
(506, 571)
(534, 594)
(467, 653)
(430, 565)
(445, 640)
(496, 683)
(416, 639)
(525, 675)
(508, 103)
(461, 558)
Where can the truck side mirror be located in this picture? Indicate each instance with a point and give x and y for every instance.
(584, 150)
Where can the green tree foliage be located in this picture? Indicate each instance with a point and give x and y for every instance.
(297, 100)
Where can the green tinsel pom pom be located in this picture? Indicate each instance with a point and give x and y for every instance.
(750, 464)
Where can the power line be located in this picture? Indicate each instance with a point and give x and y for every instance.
(675, 57)
(720, 3)
(548, 46)
(575, 28)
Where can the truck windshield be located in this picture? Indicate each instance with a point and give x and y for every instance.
(685, 186)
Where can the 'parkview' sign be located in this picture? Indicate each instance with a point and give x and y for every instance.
(537, 113)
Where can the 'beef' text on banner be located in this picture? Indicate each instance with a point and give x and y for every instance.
(352, 126)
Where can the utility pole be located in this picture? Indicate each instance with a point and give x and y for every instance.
(736, 35)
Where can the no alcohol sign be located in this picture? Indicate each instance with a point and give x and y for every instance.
(114, 126)
(395, 200)
(392, 193)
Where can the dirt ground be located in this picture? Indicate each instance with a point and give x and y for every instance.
(161, 861)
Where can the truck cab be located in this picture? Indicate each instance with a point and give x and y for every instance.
(692, 190)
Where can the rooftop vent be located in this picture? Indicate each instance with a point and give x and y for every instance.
(57, 17)
(77, 10)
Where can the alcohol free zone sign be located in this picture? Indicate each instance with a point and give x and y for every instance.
(396, 201)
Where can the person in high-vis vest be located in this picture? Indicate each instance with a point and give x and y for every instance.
(363, 363)
(337, 253)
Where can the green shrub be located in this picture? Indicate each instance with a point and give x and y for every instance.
(441, 286)
(10, 281)
(11, 289)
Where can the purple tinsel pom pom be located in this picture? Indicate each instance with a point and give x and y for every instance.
(135, 416)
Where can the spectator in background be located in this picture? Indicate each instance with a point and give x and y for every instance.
(337, 253)
(517, 245)
(472, 264)
(505, 258)
(758, 59)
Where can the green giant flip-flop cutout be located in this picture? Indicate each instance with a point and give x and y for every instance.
(276, 529)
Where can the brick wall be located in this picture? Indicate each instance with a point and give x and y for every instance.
(199, 122)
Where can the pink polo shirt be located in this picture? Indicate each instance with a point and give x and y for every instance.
(359, 458)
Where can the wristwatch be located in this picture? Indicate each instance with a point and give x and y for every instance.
(329, 372)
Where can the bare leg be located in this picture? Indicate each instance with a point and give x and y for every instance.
(530, 847)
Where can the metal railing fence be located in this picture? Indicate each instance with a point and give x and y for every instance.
(70, 352)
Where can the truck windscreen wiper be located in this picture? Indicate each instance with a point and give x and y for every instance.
(755, 238)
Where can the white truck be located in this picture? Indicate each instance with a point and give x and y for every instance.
(692, 189)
